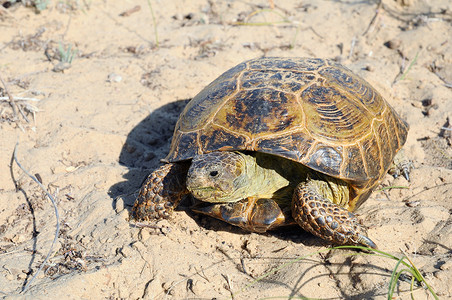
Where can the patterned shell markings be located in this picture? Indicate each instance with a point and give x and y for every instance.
(308, 110)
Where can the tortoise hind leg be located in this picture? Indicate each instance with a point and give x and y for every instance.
(327, 220)
(161, 192)
(401, 165)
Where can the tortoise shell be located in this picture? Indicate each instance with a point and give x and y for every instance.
(312, 111)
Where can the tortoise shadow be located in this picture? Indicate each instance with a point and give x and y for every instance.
(149, 142)
(146, 144)
(292, 232)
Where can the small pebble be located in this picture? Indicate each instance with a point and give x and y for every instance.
(165, 226)
(124, 214)
(199, 287)
(22, 275)
(19, 238)
(144, 235)
(370, 68)
(393, 44)
(138, 246)
(427, 102)
(165, 230)
(417, 104)
(113, 77)
(119, 207)
(169, 288)
(126, 251)
(61, 66)
(9, 277)
(154, 287)
(177, 16)
(413, 203)
(252, 247)
(10, 219)
(85, 240)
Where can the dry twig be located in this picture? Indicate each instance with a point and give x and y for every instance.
(378, 11)
(57, 216)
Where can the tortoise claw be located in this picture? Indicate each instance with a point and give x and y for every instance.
(406, 174)
(401, 166)
(365, 241)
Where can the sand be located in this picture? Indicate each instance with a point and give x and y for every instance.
(103, 122)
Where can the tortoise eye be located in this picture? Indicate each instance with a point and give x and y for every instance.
(213, 173)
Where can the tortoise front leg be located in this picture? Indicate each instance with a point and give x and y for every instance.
(161, 192)
(252, 214)
(327, 220)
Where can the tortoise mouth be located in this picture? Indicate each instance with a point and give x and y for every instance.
(210, 194)
(207, 188)
(205, 192)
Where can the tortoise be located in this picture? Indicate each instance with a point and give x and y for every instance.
(276, 141)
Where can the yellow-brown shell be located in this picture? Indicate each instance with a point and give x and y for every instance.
(312, 111)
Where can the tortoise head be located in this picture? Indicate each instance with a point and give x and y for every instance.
(218, 177)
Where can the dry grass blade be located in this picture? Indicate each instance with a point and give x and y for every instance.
(372, 22)
(17, 104)
(4, 11)
(57, 216)
(11, 99)
(256, 12)
(20, 99)
(154, 23)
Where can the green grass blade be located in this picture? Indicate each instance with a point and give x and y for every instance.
(393, 187)
(412, 288)
(410, 66)
(154, 23)
(394, 277)
(421, 278)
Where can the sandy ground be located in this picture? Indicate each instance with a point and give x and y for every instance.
(104, 123)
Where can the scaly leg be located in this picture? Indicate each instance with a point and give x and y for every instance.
(329, 221)
(401, 165)
(161, 192)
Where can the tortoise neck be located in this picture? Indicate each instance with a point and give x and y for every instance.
(263, 178)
